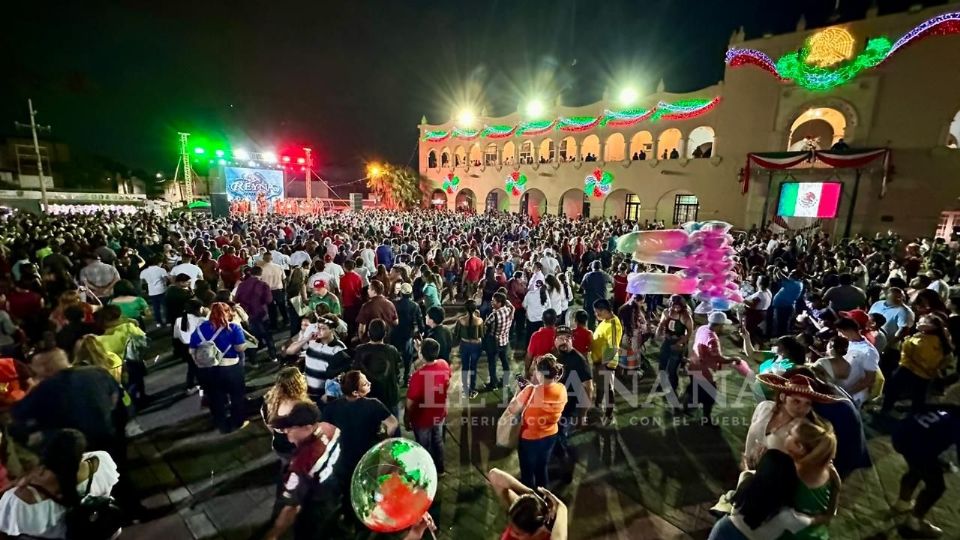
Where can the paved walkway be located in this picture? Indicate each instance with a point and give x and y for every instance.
(652, 475)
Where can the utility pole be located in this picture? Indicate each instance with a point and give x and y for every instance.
(36, 148)
(309, 171)
(187, 171)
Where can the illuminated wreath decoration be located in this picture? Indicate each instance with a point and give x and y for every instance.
(451, 184)
(598, 183)
(516, 183)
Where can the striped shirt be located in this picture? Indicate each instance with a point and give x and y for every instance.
(324, 361)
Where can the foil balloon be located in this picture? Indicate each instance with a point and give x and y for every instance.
(393, 485)
(701, 249)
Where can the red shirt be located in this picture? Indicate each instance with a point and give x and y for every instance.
(541, 342)
(582, 340)
(229, 263)
(473, 269)
(428, 391)
(619, 289)
(23, 305)
(350, 286)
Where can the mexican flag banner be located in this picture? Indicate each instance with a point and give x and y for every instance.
(809, 199)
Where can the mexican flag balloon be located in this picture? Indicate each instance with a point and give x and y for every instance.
(809, 199)
(393, 485)
(516, 183)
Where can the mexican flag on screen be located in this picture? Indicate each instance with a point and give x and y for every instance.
(809, 199)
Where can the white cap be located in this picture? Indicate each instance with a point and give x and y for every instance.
(718, 317)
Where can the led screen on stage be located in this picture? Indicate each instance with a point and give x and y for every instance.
(245, 184)
(809, 199)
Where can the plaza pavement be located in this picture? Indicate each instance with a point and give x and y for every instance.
(653, 475)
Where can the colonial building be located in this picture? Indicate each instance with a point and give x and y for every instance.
(723, 152)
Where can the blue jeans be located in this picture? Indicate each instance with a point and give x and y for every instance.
(260, 328)
(469, 358)
(157, 304)
(725, 530)
(224, 387)
(669, 365)
(782, 319)
(564, 450)
(501, 352)
(431, 438)
(534, 455)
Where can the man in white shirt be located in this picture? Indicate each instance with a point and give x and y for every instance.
(298, 257)
(864, 361)
(156, 279)
(187, 267)
(550, 264)
(369, 257)
(279, 258)
(938, 284)
(333, 268)
(273, 276)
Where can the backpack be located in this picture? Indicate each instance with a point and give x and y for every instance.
(207, 354)
(95, 518)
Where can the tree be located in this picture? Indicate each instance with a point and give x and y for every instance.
(396, 187)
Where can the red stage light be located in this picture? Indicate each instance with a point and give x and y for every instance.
(286, 159)
(301, 161)
(302, 169)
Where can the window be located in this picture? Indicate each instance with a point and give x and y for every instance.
(526, 152)
(547, 150)
(631, 208)
(490, 156)
(685, 208)
(432, 159)
(568, 149)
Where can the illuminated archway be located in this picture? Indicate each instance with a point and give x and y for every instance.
(700, 142)
(526, 152)
(533, 203)
(509, 153)
(615, 149)
(668, 141)
(459, 157)
(622, 203)
(548, 150)
(466, 201)
(590, 147)
(438, 199)
(641, 146)
(824, 125)
(445, 158)
(476, 155)
(568, 149)
(432, 159)
(490, 155)
(572, 203)
(497, 201)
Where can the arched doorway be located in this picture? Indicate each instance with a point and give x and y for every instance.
(548, 151)
(526, 152)
(509, 153)
(823, 125)
(641, 146)
(615, 148)
(668, 143)
(432, 159)
(533, 203)
(568, 149)
(573, 204)
(490, 155)
(466, 201)
(445, 158)
(438, 199)
(677, 207)
(622, 203)
(700, 142)
(590, 148)
(476, 155)
(497, 201)
(459, 157)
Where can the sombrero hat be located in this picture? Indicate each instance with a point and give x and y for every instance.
(796, 385)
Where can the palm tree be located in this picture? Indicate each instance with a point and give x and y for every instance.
(396, 187)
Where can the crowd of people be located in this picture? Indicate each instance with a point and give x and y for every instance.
(361, 314)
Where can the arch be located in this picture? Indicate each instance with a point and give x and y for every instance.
(824, 125)
(432, 159)
(509, 153)
(438, 199)
(533, 203)
(526, 152)
(459, 157)
(466, 201)
(616, 148)
(953, 134)
(700, 142)
(568, 149)
(590, 146)
(641, 145)
(497, 201)
(490, 156)
(622, 203)
(572, 203)
(476, 155)
(547, 151)
(668, 142)
(677, 206)
(446, 158)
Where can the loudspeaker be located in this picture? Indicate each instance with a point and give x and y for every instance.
(219, 205)
(356, 202)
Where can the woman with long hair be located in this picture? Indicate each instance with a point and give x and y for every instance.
(469, 332)
(488, 286)
(535, 303)
(541, 403)
(208, 266)
(90, 352)
(37, 506)
(223, 384)
(289, 388)
(558, 299)
(132, 306)
(183, 329)
(835, 366)
(383, 277)
(203, 292)
(675, 329)
(757, 305)
(124, 338)
(813, 445)
(922, 356)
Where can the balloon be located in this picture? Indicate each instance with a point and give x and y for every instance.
(652, 241)
(653, 283)
(393, 485)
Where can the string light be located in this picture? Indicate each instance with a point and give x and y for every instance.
(535, 128)
(626, 117)
(576, 124)
(795, 66)
(941, 25)
(498, 131)
(829, 47)
(742, 57)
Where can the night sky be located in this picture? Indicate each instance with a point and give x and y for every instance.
(352, 78)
